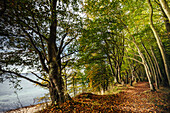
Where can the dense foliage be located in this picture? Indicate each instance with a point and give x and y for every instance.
(80, 46)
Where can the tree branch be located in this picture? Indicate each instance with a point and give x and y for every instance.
(21, 76)
(61, 43)
(68, 42)
(36, 49)
(134, 59)
(69, 54)
(41, 36)
(39, 77)
(66, 63)
(33, 30)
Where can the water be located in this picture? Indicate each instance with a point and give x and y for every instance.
(8, 99)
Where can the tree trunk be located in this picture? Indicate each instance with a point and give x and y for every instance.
(111, 67)
(58, 82)
(119, 74)
(146, 68)
(167, 22)
(116, 74)
(157, 65)
(127, 77)
(132, 75)
(152, 68)
(53, 93)
(165, 7)
(159, 42)
(54, 60)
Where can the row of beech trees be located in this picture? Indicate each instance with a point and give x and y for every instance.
(120, 33)
(115, 42)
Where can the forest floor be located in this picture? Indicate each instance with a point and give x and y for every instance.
(138, 98)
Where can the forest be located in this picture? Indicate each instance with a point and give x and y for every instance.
(85, 49)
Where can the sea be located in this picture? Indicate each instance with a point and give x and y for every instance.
(11, 98)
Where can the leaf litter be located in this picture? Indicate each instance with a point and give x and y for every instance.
(133, 99)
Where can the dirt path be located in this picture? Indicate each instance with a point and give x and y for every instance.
(132, 99)
(140, 99)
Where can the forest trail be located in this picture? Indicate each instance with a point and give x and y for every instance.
(138, 98)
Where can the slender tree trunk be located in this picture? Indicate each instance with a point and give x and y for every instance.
(159, 42)
(139, 75)
(116, 74)
(132, 75)
(152, 68)
(143, 62)
(74, 89)
(119, 74)
(127, 74)
(111, 67)
(165, 7)
(65, 81)
(157, 65)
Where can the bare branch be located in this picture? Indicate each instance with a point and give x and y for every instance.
(132, 53)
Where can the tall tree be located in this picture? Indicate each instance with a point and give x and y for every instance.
(159, 42)
(39, 34)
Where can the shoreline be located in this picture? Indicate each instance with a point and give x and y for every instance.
(28, 109)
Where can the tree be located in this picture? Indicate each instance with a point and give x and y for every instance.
(38, 35)
(159, 42)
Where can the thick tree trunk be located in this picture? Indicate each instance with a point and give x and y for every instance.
(57, 81)
(165, 7)
(54, 60)
(159, 42)
(53, 93)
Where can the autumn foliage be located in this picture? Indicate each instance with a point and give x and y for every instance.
(131, 99)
